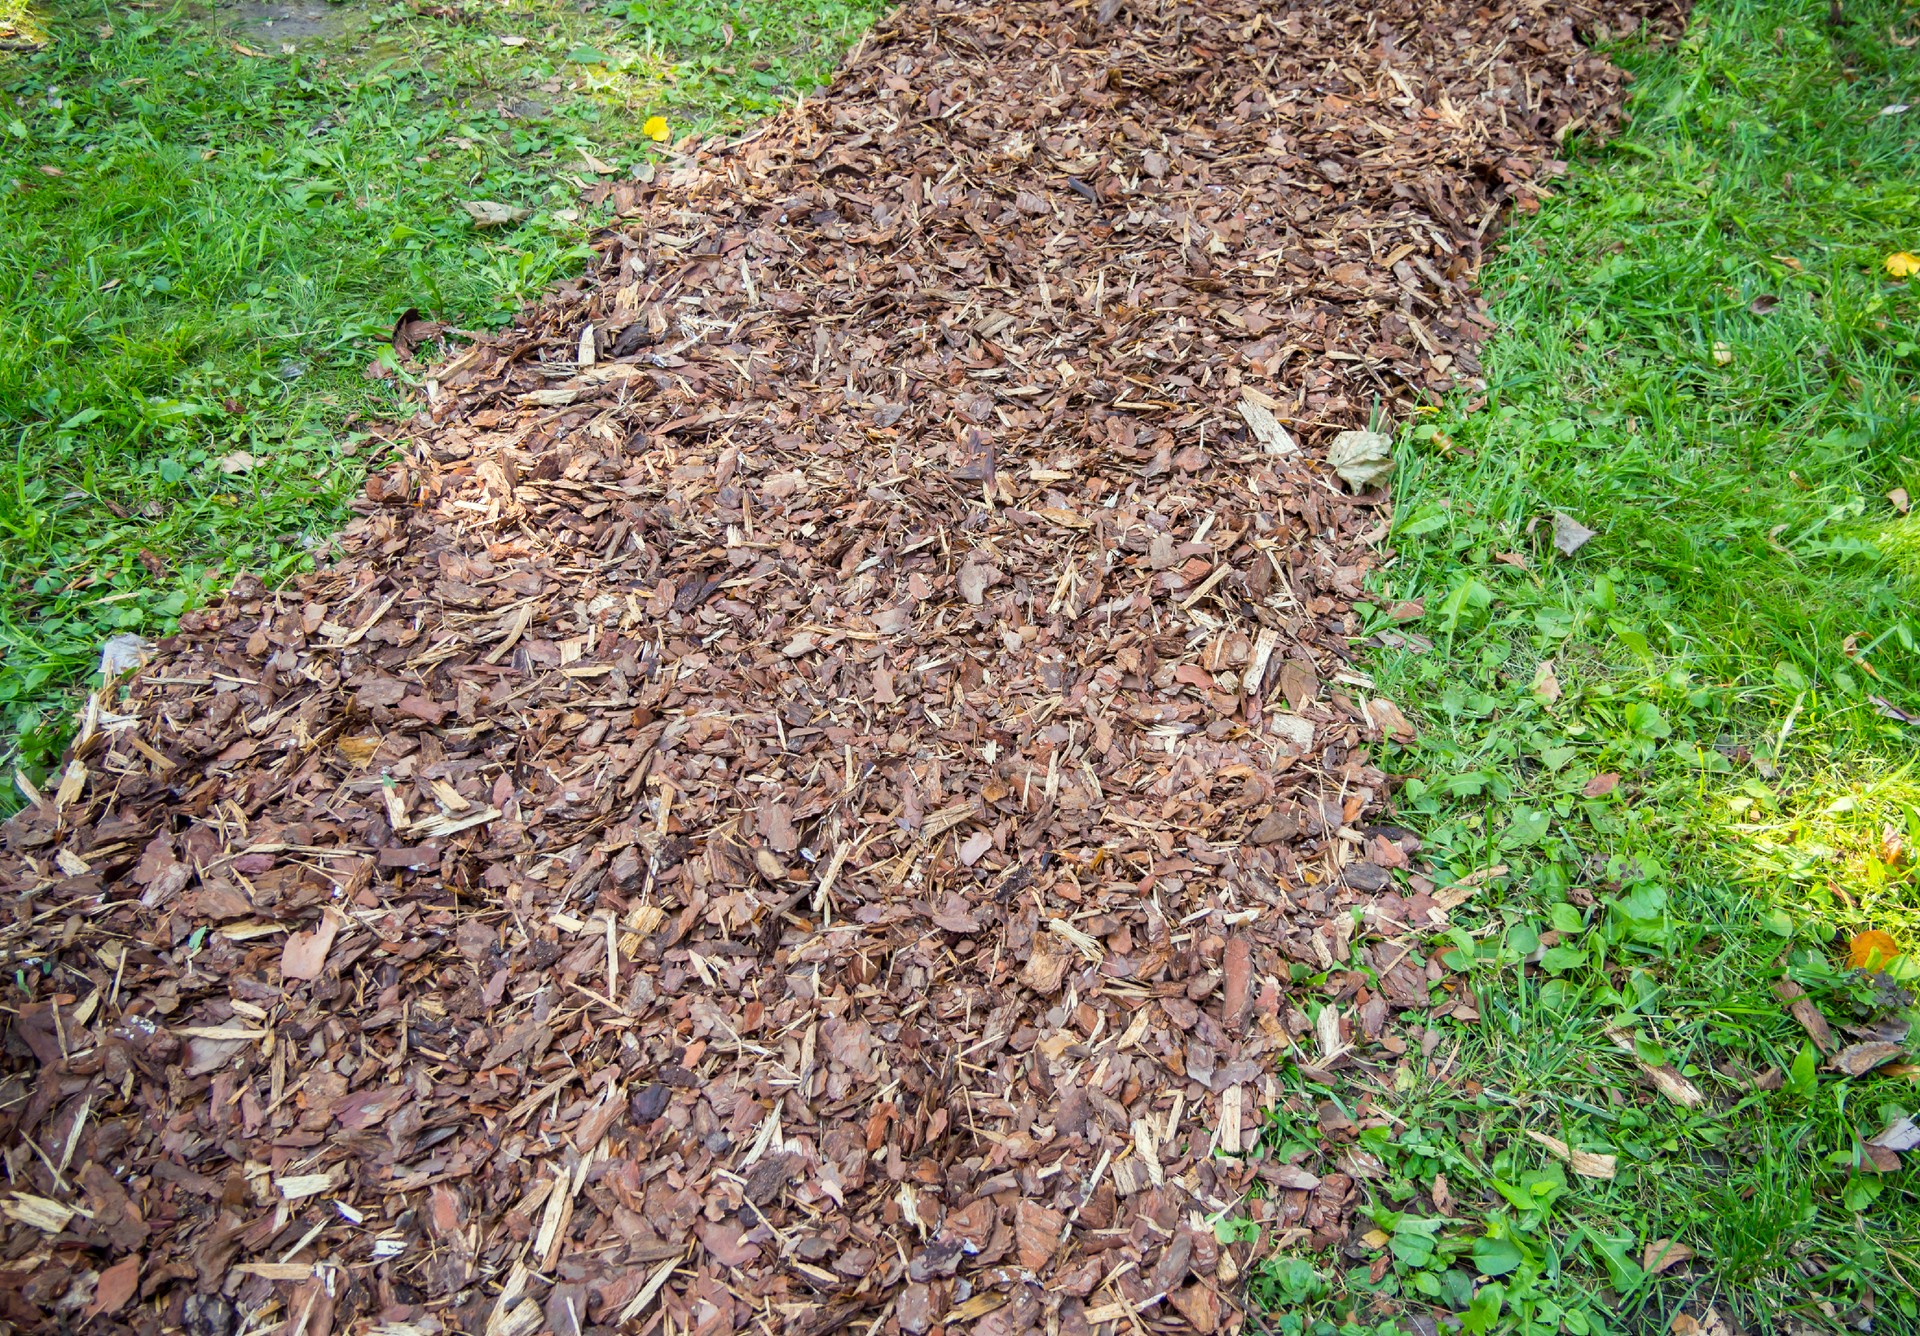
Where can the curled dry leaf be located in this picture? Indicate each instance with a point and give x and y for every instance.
(124, 653)
(1708, 1323)
(1802, 1009)
(1452, 897)
(1878, 1159)
(1569, 534)
(1600, 785)
(1886, 709)
(1546, 683)
(1361, 458)
(1902, 1134)
(1859, 1059)
(492, 213)
(1664, 1255)
(1668, 1081)
(1292, 1177)
(1386, 717)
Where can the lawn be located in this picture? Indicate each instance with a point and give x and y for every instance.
(1688, 745)
(209, 225)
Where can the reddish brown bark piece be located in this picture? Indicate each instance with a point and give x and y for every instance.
(116, 1285)
(1200, 1306)
(778, 823)
(1037, 1233)
(306, 953)
(1239, 981)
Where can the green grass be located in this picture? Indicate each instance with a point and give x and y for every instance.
(229, 237)
(202, 251)
(1704, 360)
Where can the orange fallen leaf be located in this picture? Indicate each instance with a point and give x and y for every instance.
(1601, 785)
(1872, 950)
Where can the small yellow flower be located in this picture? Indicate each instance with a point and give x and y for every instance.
(657, 129)
(1902, 265)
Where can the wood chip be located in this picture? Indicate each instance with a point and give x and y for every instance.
(1587, 1164)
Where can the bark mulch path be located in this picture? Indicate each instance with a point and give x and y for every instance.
(825, 791)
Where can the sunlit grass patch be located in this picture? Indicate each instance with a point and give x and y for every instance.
(1840, 848)
(20, 28)
(1900, 540)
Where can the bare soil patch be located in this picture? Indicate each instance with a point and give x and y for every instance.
(288, 21)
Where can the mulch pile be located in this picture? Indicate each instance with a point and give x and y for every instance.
(826, 788)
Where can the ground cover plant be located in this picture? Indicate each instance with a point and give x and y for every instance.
(211, 223)
(1686, 744)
